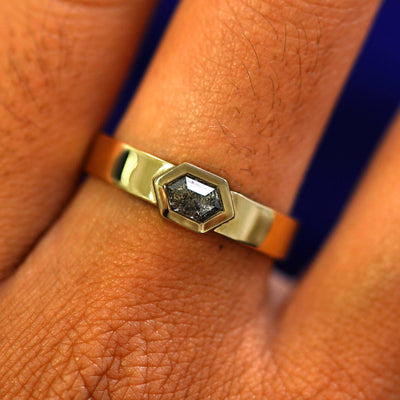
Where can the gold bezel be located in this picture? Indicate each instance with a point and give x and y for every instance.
(184, 169)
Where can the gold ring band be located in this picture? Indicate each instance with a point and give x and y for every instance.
(192, 197)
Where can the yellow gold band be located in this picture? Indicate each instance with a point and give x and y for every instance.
(161, 183)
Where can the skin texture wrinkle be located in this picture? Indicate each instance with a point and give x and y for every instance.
(113, 302)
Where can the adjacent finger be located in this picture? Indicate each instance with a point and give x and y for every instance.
(61, 63)
(243, 89)
(345, 318)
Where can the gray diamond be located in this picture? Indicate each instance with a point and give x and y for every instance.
(193, 198)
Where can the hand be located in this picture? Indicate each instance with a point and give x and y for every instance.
(109, 301)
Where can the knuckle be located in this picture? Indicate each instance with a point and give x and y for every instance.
(121, 348)
(256, 71)
(268, 59)
(119, 340)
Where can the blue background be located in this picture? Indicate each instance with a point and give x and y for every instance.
(364, 110)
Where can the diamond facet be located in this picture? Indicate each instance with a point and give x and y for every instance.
(193, 198)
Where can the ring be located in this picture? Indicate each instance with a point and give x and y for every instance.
(191, 197)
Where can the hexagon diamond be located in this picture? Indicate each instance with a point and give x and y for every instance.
(193, 198)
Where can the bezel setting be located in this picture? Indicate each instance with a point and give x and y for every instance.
(219, 183)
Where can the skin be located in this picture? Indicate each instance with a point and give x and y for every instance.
(101, 298)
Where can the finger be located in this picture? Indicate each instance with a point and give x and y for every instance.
(61, 64)
(345, 316)
(242, 89)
